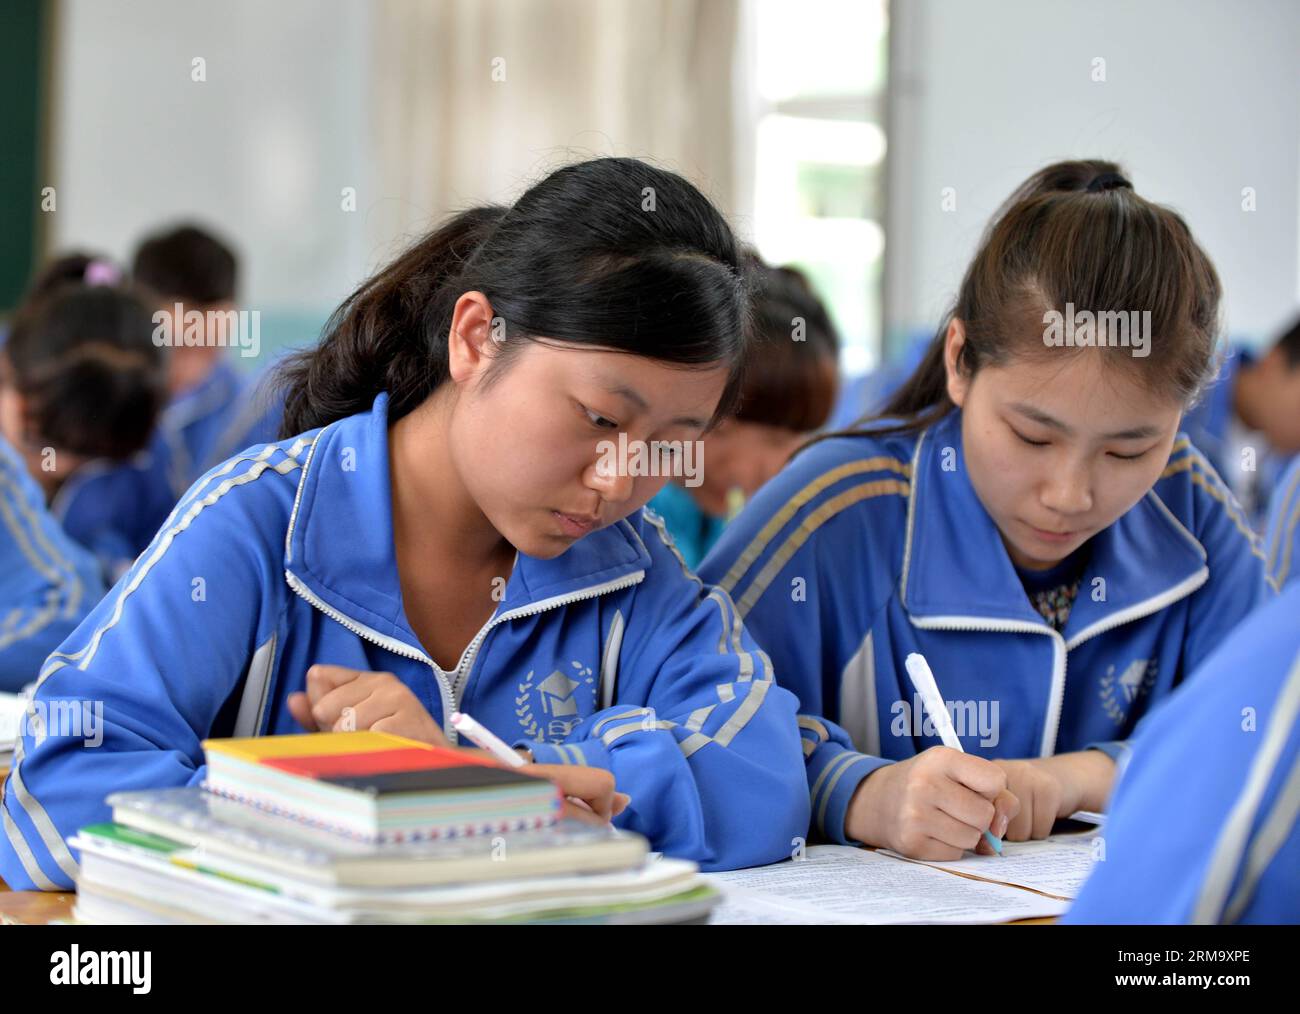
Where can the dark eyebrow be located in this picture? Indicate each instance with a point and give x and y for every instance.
(1029, 412)
(624, 391)
(1136, 433)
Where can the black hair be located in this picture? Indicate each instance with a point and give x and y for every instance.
(84, 359)
(1289, 343)
(612, 253)
(788, 383)
(1076, 232)
(65, 269)
(188, 263)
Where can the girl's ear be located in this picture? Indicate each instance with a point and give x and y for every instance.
(14, 424)
(471, 339)
(958, 380)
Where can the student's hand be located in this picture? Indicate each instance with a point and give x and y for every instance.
(933, 806)
(594, 786)
(339, 699)
(1052, 787)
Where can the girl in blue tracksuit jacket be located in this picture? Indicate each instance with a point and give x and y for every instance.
(196, 418)
(1229, 850)
(84, 383)
(1028, 519)
(1282, 537)
(447, 531)
(47, 582)
(1261, 386)
(113, 508)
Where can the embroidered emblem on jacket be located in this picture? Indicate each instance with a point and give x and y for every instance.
(548, 709)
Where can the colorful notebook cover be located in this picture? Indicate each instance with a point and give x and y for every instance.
(258, 748)
(375, 762)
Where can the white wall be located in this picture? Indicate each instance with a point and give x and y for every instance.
(1201, 99)
(260, 150)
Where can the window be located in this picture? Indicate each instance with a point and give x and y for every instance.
(819, 68)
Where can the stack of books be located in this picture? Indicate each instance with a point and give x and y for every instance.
(364, 827)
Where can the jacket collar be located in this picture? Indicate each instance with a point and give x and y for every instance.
(339, 542)
(957, 573)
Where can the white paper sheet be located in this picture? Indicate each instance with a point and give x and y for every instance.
(12, 707)
(1058, 865)
(839, 884)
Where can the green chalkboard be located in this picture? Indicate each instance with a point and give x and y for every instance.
(23, 44)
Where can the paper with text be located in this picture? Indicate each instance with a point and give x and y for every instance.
(842, 884)
(1057, 865)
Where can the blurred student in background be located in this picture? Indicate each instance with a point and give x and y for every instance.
(193, 277)
(791, 378)
(48, 583)
(1282, 538)
(1248, 421)
(867, 394)
(81, 385)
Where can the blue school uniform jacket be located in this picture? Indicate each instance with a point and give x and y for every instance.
(47, 582)
(611, 655)
(256, 421)
(868, 393)
(1205, 822)
(866, 548)
(1282, 541)
(693, 531)
(113, 508)
(196, 419)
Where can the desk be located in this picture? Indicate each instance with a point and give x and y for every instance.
(36, 908)
(33, 908)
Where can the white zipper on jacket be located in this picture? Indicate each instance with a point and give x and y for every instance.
(1062, 648)
(452, 690)
(1052, 721)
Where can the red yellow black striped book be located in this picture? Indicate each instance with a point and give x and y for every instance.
(378, 787)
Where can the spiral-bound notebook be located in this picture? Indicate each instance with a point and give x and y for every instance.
(379, 787)
(226, 827)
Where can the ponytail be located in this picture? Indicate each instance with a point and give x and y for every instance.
(389, 335)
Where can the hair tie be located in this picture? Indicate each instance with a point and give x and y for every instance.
(101, 273)
(1108, 181)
